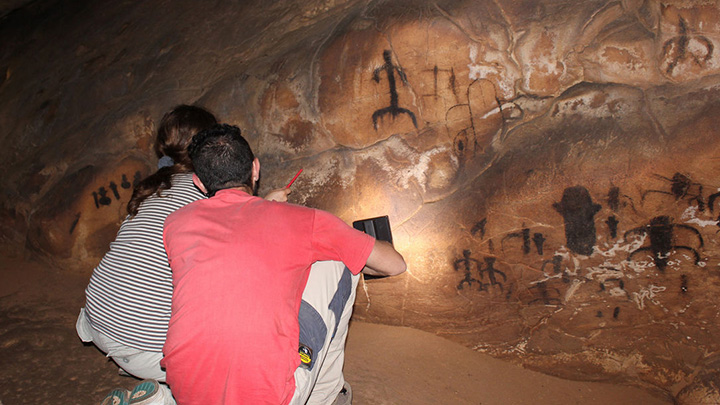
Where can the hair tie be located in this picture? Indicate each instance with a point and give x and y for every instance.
(165, 161)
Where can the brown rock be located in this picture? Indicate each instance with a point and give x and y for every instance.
(549, 168)
(79, 217)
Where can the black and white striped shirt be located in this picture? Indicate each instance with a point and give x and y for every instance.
(130, 291)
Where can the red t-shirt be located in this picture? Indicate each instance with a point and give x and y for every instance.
(240, 264)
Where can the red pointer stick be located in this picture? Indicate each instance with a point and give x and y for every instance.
(293, 180)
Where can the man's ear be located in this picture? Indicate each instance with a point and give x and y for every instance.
(199, 184)
(255, 170)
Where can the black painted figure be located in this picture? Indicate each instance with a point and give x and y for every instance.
(556, 262)
(74, 223)
(491, 271)
(394, 109)
(711, 204)
(114, 189)
(125, 183)
(682, 188)
(684, 284)
(578, 211)
(557, 267)
(466, 139)
(662, 240)
(621, 283)
(468, 264)
(539, 241)
(524, 234)
(436, 74)
(545, 295)
(677, 48)
(479, 227)
(137, 178)
(104, 199)
(612, 224)
(614, 198)
(460, 143)
(711, 200)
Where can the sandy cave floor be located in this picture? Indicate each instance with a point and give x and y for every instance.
(42, 361)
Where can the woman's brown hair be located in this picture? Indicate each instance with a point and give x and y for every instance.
(174, 135)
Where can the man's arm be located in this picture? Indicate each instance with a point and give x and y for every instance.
(384, 260)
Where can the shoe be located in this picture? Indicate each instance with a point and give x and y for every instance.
(146, 392)
(344, 396)
(118, 396)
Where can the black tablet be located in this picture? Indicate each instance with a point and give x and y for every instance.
(378, 228)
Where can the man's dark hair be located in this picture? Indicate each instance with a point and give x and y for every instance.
(173, 137)
(222, 158)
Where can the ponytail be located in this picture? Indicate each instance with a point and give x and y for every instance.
(174, 135)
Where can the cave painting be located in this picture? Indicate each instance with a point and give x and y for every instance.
(101, 197)
(544, 292)
(578, 211)
(125, 183)
(616, 200)
(556, 262)
(662, 240)
(711, 203)
(74, 223)
(620, 285)
(538, 239)
(612, 224)
(114, 189)
(524, 234)
(491, 271)
(697, 48)
(466, 139)
(467, 263)
(436, 74)
(682, 188)
(394, 109)
(479, 227)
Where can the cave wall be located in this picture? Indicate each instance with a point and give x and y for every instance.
(549, 168)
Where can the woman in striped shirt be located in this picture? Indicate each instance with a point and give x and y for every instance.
(130, 291)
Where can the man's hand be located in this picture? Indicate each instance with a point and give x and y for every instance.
(279, 195)
(384, 260)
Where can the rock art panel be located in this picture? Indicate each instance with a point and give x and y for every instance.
(348, 95)
(79, 218)
(549, 168)
(690, 37)
(631, 258)
(289, 129)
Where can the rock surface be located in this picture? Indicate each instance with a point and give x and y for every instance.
(43, 360)
(549, 168)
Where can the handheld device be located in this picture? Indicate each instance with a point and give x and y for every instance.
(378, 227)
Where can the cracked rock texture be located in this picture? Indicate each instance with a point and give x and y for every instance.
(549, 167)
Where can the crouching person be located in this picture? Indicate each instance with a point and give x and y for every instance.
(244, 269)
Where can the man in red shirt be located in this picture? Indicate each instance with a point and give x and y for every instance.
(240, 265)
